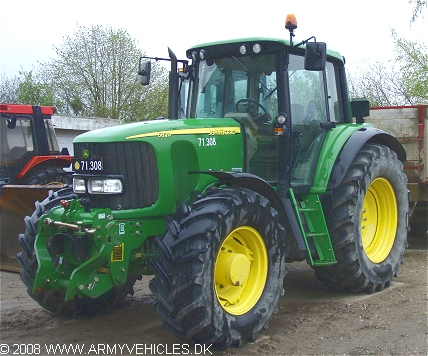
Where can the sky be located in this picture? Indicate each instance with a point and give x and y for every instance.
(359, 30)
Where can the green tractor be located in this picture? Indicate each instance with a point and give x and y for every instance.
(258, 165)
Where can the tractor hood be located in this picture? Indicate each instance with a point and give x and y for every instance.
(161, 129)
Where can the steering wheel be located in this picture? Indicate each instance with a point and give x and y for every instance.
(250, 101)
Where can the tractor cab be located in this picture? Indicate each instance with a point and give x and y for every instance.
(24, 134)
(285, 96)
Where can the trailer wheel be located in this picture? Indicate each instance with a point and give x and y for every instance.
(220, 271)
(368, 222)
(51, 299)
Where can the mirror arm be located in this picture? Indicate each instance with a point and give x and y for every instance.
(305, 41)
(184, 61)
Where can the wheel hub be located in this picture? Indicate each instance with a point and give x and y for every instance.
(234, 268)
(379, 220)
(241, 269)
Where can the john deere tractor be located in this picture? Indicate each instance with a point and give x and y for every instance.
(259, 164)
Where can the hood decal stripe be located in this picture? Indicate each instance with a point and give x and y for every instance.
(212, 131)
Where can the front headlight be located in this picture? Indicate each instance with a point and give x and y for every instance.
(98, 185)
(105, 186)
(79, 185)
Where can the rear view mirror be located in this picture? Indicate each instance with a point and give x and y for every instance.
(11, 122)
(315, 56)
(360, 108)
(145, 70)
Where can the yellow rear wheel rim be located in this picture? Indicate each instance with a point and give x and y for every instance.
(241, 269)
(379, 220)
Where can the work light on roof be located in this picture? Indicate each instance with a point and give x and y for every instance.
(257, 48)
(243, 49)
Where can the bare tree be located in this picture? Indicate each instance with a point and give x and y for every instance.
(8, 90)
(381, 83)
(402, 81)
(419, 7)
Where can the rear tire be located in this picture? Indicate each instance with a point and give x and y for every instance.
(368, 222)
(221, 268)
(52, 299)
(49, 176)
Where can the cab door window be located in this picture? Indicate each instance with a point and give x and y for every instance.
(313, 102)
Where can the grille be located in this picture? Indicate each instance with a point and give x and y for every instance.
(136, 162)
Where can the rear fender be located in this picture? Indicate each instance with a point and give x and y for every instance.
(353, 145)
(50, 161)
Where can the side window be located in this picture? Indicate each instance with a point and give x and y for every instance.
(334, 100)
(53, 144)
(183, 95)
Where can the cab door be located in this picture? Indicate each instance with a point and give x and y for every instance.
(314, 103)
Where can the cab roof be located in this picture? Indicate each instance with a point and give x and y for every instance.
(232, 46)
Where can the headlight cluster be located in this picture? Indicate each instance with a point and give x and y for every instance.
(98, 185)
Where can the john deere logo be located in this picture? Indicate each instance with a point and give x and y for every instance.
(85, 153)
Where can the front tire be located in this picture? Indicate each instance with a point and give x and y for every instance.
(220, 271)
(368, 222)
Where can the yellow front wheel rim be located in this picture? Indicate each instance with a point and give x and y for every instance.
(379, 220)
(241, 269)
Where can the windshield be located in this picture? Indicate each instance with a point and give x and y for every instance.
(237, 88)
(244, 89)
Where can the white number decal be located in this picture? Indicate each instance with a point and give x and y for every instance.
(207, 142)
(91, 165)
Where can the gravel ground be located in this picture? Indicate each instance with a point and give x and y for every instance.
(311, 320)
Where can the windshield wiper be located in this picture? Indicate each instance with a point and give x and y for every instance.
(270, 94)
(243, 66)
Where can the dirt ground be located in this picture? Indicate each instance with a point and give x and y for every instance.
(311, 320)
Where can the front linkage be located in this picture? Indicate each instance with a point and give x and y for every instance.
(83, 251)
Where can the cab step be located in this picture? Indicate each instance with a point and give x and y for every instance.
(311, 220)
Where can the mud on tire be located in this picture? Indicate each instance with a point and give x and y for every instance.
(194, 298)
(48, 298)
(368, 223)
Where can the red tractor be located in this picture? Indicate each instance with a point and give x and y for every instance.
(29, 159)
